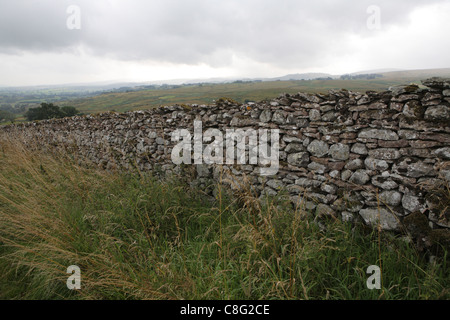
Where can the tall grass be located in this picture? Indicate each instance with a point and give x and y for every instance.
(136, 237)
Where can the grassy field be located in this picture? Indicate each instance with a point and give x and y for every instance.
(207, 93)
(136, 237)
(241, 92)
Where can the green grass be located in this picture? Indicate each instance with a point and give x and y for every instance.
(207, 93)
(136, 237)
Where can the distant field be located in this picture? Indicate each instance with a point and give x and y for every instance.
(241, 92)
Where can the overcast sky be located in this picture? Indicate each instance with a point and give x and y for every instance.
(73, 41)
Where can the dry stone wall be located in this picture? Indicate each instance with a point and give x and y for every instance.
(370, 156)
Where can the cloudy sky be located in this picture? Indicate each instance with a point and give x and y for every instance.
(74, 41)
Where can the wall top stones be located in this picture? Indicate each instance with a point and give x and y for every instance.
(360, 156)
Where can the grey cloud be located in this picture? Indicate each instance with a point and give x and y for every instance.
(283, 32)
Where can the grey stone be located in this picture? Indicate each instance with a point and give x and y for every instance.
(300, 159)
(329, 116)
(279, 117)
(359, 148)
(324, 210)
(314, 115)
(376, 164)
(360, 177)
(411, 202)
(439, 113)
(294, 147)
(275, 184)
(385, 154)
(380, 134)
(391, 198)
(384, 183)
(346, 174)
(442, 153)
(354, 164)
(380, 216)
(317, 167)
(340, 151)
(328, 188)
(266, 116)
(318, 148)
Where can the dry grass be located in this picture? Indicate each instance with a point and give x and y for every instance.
(135, 237)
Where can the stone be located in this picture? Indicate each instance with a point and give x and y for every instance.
(384, 183)
(324, 210)
(359, 148)
(360, 177)
(437, 83)
(314, 115)
(317, 167)
(294, 147)
(439, 113)
(318, 148)
(443, 153)
(345, 175)
(376, 164)
(354, 164)
(279, 117)
(412, 169)
(300, 159)
(411, 202)
(385, 154)
(328, 188)
(391, 198)
(329, 116)
(380, 216)
(340, 151)
(413, 110)
(266, 116)
(381, 134)
(275, 184)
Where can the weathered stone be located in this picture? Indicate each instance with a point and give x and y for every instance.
(380, 134)
(359, 148)
(385, 154)
(384, 183)
(318, 148)
(324, 210)
(279, 117)
(393, 144)
(380, 216)
(443, 153)
(437, 83)
(328, 188)
(411, 202)
(354, 164)
(408, 134)
(266, 116)
(314, 115)
(330, 116)
(340, 151)
(391, 198)
(275, 184)
(360, 177)
(336, 165)
(317, 167)
(413, 109)
(440, 113)
(413, 169)
(300, 159)
(376, 164)
(294, 147)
